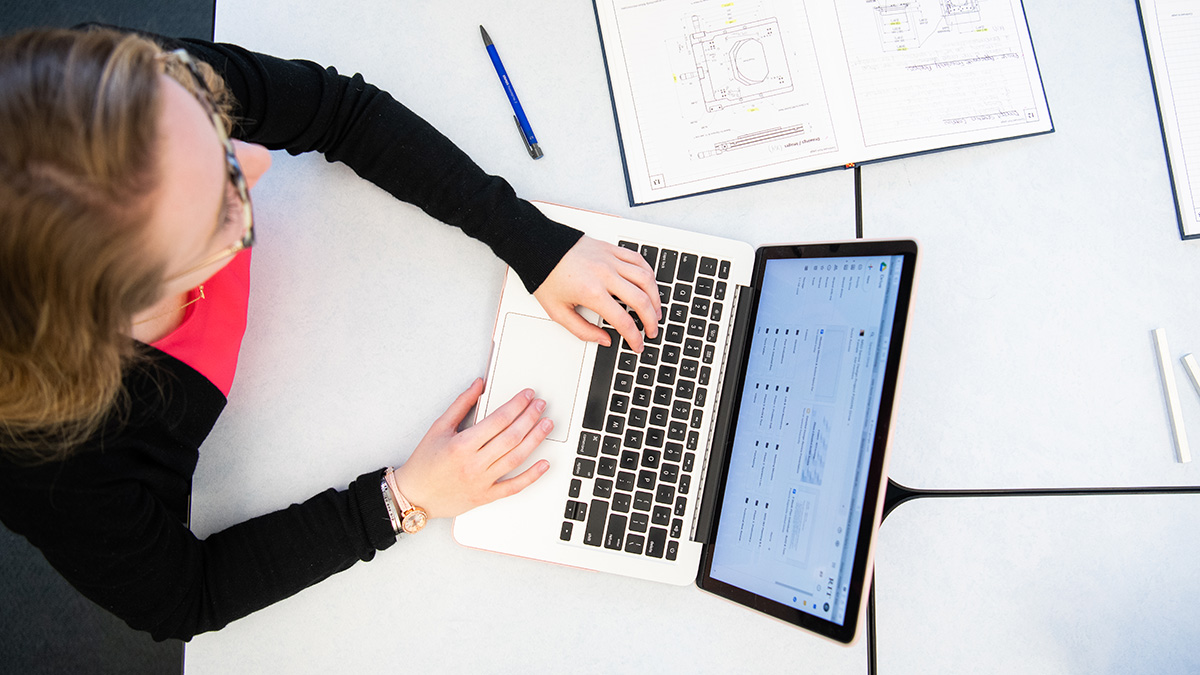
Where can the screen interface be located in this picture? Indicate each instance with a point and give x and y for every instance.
(793, 498)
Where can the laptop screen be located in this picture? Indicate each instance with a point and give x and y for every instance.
(798, 467)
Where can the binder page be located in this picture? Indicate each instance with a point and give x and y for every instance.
(712, 94)
(715, 93)
(931, 74)
(1172, 29)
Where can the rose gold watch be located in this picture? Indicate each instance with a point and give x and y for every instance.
(412, 518)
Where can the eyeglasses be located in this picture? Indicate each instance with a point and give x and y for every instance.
(236, 176)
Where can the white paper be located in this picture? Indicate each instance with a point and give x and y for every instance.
(1172, 30)
(716, 93)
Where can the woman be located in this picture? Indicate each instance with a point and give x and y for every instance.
(125, 229)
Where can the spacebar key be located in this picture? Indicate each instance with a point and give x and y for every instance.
(597, 514)
(602, 375)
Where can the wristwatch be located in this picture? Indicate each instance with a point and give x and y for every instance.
(412, 518)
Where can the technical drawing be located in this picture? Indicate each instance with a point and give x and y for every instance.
(752, 139)
(739, 64)
(904, 25)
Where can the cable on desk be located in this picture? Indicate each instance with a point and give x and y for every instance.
(858, 216)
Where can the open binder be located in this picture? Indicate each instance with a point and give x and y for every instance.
(712, 94)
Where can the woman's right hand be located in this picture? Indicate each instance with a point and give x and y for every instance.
(451, 472)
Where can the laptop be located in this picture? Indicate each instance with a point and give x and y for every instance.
(744, 450)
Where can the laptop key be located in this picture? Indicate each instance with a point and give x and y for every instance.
(687, 266)
(650, 458)
(584, 468)
(662, 396)
(715, 315)
(672, 549)
(689, 368)
(677, 528)
(633, 439)
(602, 375)
(680, 505)
(666, 375)
(589, 444)
(607, 466)
(684, 388)
(576, 484)
(611, 446)
(638, 522)
(661, 515)
(691, 348)
(708, 266)
(642, 501)
(656, 542)
(674, 453)
(659, 416)
(646, 480)
(654, 437)
(645, 376)
(670, 354)
(685, 484)
(634, 543)
(669, 472)
(699, 306)
(701, 397)
(637, 418)
(673, 334)
(628, 244)
(627, 361)
(704, 286)
(629, 460)
(620, 502)
(602, 488)
(678, 312)
(724, 270)
(709, 353)
(664, 294)
(623, 382)
(594, 532)
(666, 265)
(697, 418)
(565, 532)
(696, 326)
(705, 373)
(689, 460)
(649, 355)
(625, 480)
(650, 254)
(616, 425)
(641, 397)
(618, 404)
(713, 329)
(666, 493)
(682, 293)
(719, 293)
(614, 538)
(676, 431)
(693, 440)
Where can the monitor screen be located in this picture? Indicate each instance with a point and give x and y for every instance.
(798, 464)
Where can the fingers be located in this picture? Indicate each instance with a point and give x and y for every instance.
(458, 410)
(578, 326)
(500, 419)
(527, 427)
(511, 486)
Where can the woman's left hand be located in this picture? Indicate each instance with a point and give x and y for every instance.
(596, 274)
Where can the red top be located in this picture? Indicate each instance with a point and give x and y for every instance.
(210, 336)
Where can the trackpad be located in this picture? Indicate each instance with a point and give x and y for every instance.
(541, 355)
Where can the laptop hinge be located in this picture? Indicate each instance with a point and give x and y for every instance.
(722, 426)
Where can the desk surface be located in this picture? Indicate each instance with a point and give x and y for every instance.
(350, 354)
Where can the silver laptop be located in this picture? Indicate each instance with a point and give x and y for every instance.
(744, 450)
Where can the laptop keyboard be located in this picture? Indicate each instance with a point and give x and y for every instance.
(636, 461)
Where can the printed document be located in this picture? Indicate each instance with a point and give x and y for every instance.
(712, 94)
(1172, 29)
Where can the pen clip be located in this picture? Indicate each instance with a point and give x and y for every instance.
(533, 149)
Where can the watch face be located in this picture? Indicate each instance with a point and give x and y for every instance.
(414, 521)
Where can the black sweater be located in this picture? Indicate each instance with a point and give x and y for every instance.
(112, 518)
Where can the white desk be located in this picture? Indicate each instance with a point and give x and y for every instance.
(363, 329)
(1039, 585)
(1046, 262)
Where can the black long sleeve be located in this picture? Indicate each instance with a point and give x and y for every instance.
(112, 517)
(300, 107)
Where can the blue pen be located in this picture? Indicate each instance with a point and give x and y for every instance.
(531, 143)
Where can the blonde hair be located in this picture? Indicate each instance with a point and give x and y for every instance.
(78, 125)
